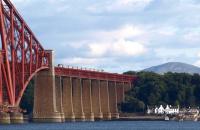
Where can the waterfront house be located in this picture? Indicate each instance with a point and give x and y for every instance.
(171, 110)
(150, 110)
(161, 110)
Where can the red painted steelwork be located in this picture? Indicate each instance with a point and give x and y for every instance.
(80, 73)
(22, 56)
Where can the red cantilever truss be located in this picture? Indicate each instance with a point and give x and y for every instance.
(21, 54)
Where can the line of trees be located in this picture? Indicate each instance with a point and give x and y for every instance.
(153, 89)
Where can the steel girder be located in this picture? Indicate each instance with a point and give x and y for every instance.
(89, 74)
(21, 56)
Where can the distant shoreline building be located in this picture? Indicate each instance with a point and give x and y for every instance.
(161, 110)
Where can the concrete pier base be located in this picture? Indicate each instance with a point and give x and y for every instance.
(87, 100)
(51, 118)
(62, 117)
(16, 118)
(77, 99)
(89, 117)
(98, 117)
(96, 99)
(4, 118)
(113, 100)
(105, 105)
(67, 99)
(71, 118)
(107, 116)
(59, 97)
(115, 115)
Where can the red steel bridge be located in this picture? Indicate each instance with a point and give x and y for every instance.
(22, 56)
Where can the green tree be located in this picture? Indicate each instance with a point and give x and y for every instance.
(171, 88)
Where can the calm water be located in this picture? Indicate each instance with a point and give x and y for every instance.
(123, 125)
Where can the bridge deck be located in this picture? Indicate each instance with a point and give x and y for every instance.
(89, 74)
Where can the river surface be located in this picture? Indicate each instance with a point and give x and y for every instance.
(109, 125)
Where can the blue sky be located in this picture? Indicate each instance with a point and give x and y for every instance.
(116, 35)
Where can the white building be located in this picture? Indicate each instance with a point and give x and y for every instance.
(150, 110)
(156, 110)
(161, 110)
(171, 110)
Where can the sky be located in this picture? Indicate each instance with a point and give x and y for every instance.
(116, 35)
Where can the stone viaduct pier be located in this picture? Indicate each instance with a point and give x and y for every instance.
(72, 94)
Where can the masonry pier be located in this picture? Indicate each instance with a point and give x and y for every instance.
(67, 96)
(45, 106)
(80, 99)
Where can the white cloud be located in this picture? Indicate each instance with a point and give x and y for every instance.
(79, 60)
(127, 40)
(193, 36)
(42, 8)
(118, 48)
(119, 6)
(197, 63)
(129, 48)
(166, 30)
(176, 52)
(98, 49)
(131, 4)
(114, 43)
(126, 31)
(21, 2)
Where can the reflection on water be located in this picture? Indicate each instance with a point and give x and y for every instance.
(109, 125)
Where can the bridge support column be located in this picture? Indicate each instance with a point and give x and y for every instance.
(113, 100)
(59, 97)
(120, 92)
(4, 118)
(77, 99)
(67, 99)
(87, 100)
(16, 118)
(105, 105)
(45, 96)
(96, 99)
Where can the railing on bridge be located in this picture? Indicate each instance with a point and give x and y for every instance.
(92, 74)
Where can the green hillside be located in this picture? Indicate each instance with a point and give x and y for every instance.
(171, 88)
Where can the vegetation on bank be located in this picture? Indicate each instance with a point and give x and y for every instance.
(153, 89)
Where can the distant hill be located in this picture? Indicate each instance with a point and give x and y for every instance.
(174, 67)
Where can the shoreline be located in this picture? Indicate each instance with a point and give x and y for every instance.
(133, 117)
(142, 118)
